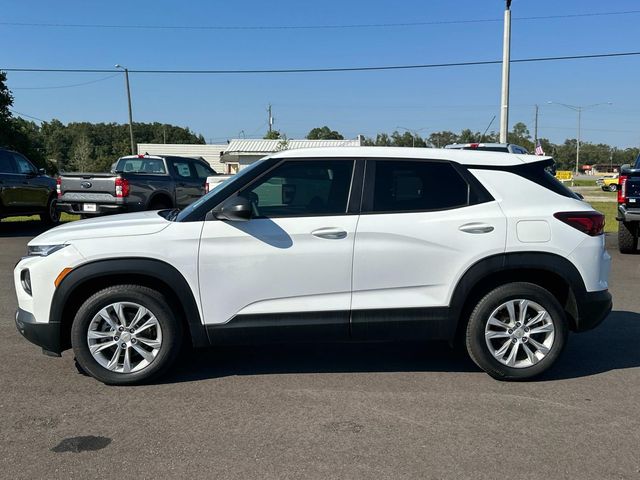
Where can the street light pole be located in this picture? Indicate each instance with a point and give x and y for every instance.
(126, 77)
(414, 134)
(506, 60)
(579, 109)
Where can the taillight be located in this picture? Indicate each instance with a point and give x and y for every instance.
(206, 187)
(122, 187)
(622, 189)
(59, 187)
(591, 223)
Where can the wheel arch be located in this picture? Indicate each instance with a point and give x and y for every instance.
(160, 195)
(91, 277)
(550, 271)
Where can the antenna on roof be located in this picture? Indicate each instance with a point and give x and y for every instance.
(487, 129)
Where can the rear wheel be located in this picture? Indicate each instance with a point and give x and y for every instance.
(627, 237)
(159, 204)
(126, 334)
(51, 216)
(516, 332)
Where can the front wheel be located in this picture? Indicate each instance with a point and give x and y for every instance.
(126, 334)
(516, 332)
(51, 216)
(613, 187)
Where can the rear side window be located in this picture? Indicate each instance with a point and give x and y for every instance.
(6, 162)
(413, 186)
(542, 174)
(182, 169)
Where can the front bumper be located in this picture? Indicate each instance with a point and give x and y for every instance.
(593, 308)
(626, 214)
(45, 335)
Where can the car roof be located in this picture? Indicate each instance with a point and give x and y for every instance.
(463, 157)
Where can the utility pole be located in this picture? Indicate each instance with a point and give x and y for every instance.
(270, 118)
(126, 77)
(579, 109)
(535, 128)
(506, 59)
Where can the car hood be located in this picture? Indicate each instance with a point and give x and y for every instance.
(127, 224)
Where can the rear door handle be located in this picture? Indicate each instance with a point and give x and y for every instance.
(476, 227)
(332, 233)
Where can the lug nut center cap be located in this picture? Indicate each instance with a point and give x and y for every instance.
(125, 337)
(519, 333)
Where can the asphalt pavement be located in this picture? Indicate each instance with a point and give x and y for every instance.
(326, 411)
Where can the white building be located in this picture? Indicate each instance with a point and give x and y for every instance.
(238, 153)
(210, 153)
(242, 152)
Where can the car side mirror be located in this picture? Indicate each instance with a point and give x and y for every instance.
(235, 209)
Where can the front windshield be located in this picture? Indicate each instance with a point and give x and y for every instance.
(234, 178)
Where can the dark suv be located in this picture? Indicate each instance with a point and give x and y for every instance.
(25, 189)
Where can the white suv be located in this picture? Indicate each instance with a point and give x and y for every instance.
(362, 244)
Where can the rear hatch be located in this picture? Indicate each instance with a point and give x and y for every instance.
(629, 189)
(88, 188)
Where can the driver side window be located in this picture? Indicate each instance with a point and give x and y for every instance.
(301, 188)
(24, 166)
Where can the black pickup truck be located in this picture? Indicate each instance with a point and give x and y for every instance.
(629, 207)
(136, 182)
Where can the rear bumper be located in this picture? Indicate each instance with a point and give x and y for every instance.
(45, 335)
(101, 209)
(593, 308)
(627, 214)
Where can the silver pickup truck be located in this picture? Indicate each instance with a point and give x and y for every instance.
(136, 182)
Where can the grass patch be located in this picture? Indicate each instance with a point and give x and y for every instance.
(64, 217)
(584, 183)
(610, 210)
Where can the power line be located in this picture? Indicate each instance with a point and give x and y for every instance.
(309, 27)
(67, 86)
(329, 69)
(25, 115)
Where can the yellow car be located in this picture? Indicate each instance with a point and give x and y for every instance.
(608, 184)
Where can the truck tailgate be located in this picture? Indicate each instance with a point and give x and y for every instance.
(91, 187)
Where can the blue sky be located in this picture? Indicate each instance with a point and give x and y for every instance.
(220, 107)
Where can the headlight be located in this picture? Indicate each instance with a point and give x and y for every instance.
(43, 250)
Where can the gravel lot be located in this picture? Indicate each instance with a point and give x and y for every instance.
(344, 412)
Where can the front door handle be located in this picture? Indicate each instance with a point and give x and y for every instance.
(476, 227)
(332, 233)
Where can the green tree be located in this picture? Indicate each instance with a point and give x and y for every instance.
(272, 135)
(441, 139)
(6, 99)
(324, 133)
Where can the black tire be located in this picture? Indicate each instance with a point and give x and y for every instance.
(170, 326)
(613, 187)
(628, 237)
(475, 333)
(51, 216)
(159, 204)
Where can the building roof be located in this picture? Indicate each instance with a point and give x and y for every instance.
(182, 149)
(258, 146)
(464, 157)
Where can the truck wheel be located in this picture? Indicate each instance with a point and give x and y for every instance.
(51, 216)
(516, 332)
(126, 334)
(627, 237)
(613, 187)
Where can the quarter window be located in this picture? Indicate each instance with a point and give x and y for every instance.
(413, 186)
(203, 171)
(302, 188)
